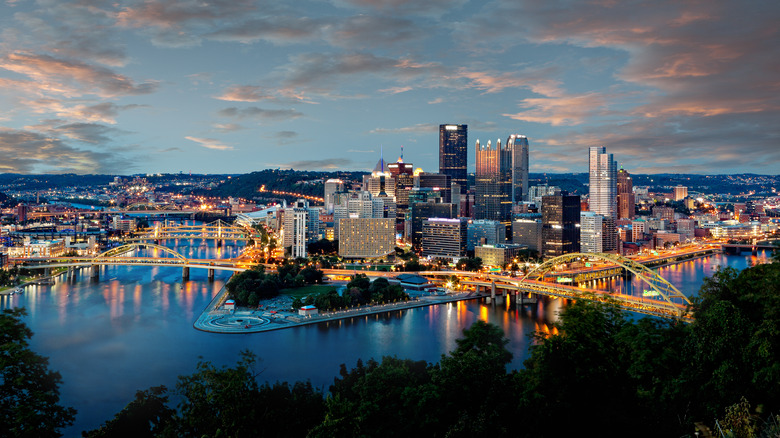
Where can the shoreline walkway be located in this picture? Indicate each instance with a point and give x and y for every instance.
(215, 320)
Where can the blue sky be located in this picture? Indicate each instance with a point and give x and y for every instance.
(234, 86)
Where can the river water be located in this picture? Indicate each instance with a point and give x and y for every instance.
(132, 329)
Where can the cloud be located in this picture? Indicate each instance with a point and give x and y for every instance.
(24, 151)
(72, 78)
(407, 7)
(417, 129)
(92, 133)
(104, 112)
(210, 143)
(284, 137)
(557, 111)
(71, 29)
(227, 127)
(254, 112)
(325, 164)
(244, 93)
(361, 31)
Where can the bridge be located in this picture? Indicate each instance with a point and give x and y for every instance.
(117, 256)
(666, 302)
(217, 230)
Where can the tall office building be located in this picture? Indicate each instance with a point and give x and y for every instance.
(493, 183)
(560, 225)
(443, 237)
(625, 195)
(591, 228)
(453, 153)
(679, 193)
(293, 234)
(518, 144)
(420, 211)
(380, 182)
(484, 232)
(603, 182)
(437, 181)
(331, 187)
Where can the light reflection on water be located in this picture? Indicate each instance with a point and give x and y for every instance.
(132, 329)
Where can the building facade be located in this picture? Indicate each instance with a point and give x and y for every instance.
(591, 229)
(560, 225)
(493, 183)
(484, 232)
(528, 232)
(626, 205)
(366, 237)
(603, 182)
(518, 144)
(446, 238)
(453, 153)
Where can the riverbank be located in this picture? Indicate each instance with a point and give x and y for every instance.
(276, 313)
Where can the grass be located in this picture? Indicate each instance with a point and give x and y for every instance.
(301, 292)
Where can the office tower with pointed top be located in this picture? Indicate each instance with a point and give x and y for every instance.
(518, 144)
(453, 153)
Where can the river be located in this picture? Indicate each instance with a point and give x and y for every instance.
(132, 329)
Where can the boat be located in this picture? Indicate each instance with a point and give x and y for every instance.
(18, 290)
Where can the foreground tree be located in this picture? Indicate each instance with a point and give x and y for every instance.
(29, 391)
(145, 417)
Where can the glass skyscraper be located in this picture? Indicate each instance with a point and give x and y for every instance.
(453, 153)
(493, 183)
(603, 182)
(518, 144)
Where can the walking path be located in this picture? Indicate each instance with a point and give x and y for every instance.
(277, 313)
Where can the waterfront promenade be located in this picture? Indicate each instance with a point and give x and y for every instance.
(277, 313)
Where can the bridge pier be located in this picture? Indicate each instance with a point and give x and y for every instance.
(95, 272)
(526, 298)
(185, 273)
(46, 272)
(211, 274)
(219, 243)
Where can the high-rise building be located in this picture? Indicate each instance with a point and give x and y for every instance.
(443, 237)
(609, 235)
(518, 144)
(419, 211)
(293, 234)
(603, 182)
(528, 232)
(453, 153)
(366, 237)
(625, 195)
(535, 193)
(331, 187)
(380, 182)
(484, 232)
(560, 224)
(679, 193)
(591, 229)
(493, 183)
(438, 181)
(638, 229)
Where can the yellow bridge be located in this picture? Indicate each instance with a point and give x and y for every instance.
(217, 230)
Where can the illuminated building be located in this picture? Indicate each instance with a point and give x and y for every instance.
(420, 211)
(679, 193)
(436, 181)
(498, 255)
(366, 237)
(528, 232)
(443, 237)
(493, 183)
(453, 153)
(331, 187)
(591, 232)
(560, 225)
(603, 182)
(625, 195)
(518, 144)
(484, 232)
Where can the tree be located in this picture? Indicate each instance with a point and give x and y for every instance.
(469, 264)
(146, 416)
(29, 391)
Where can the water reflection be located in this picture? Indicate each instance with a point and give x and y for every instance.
(132, 329)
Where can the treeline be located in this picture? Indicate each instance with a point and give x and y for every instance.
(359, 291)
(246, 186)
(247, 288)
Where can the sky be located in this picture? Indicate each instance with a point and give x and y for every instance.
(235, 86)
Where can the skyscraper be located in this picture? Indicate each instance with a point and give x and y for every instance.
(603, 182)
(625, 195)
(453, 153)
(493, 181)
(518, 144)
(560, 225)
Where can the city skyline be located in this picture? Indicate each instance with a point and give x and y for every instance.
(238, 86)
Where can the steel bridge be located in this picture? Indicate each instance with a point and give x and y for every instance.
(671, 303)
(117, 256)
(217, 230)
